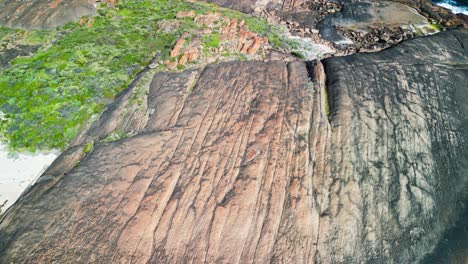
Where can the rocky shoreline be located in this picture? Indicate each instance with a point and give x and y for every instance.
(311, 19)
(360, 157)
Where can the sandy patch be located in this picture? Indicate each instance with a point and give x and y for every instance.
(19, 172)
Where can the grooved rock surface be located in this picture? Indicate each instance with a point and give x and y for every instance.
(399, 148)
(42, 13)
(239, 163)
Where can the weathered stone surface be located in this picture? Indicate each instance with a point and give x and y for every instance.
(361, 16)
(351, 26)
(399, 148)
(43, 13)
(439, 14)
(239, 162)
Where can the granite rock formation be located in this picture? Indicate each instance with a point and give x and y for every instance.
(401, 126)
(44, 13)
(246, 162)
(352, 26)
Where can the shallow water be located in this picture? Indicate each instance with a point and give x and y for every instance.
(457, 6)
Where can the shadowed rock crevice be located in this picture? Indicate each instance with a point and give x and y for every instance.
(239, 162)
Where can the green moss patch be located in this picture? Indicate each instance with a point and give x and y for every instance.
(211, 41)
(47, 97)
(325, 98)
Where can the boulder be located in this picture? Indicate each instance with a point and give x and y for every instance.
(255, 162)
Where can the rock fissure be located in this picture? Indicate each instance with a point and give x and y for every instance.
(350, 159)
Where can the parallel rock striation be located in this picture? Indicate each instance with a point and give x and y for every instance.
(399, 147)
(239, 162)
(351, 26)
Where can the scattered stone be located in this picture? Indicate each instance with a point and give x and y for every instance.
(234, 37)
(375, 39)
(167, 26)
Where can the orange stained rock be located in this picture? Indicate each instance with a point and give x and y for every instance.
(244, 48)
(82, 21)
(167, 26)
(257, 43)
(184, 59)
(182, 14)
(193, 56)
(171, 65)
(194, 44)
(54, 4)
(242, 23)
(206, 31)
(21, 8)
(228, 36)
(178, 46)
(242, 38)
(90, 22)
(233, 23)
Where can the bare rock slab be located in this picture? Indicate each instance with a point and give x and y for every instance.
(242, 162)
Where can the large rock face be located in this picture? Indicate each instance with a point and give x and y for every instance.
(399, 146)
(239, 162)
(42, 13)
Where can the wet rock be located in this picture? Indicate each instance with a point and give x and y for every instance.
(375, 39)
(442, 15)
(166, 26)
